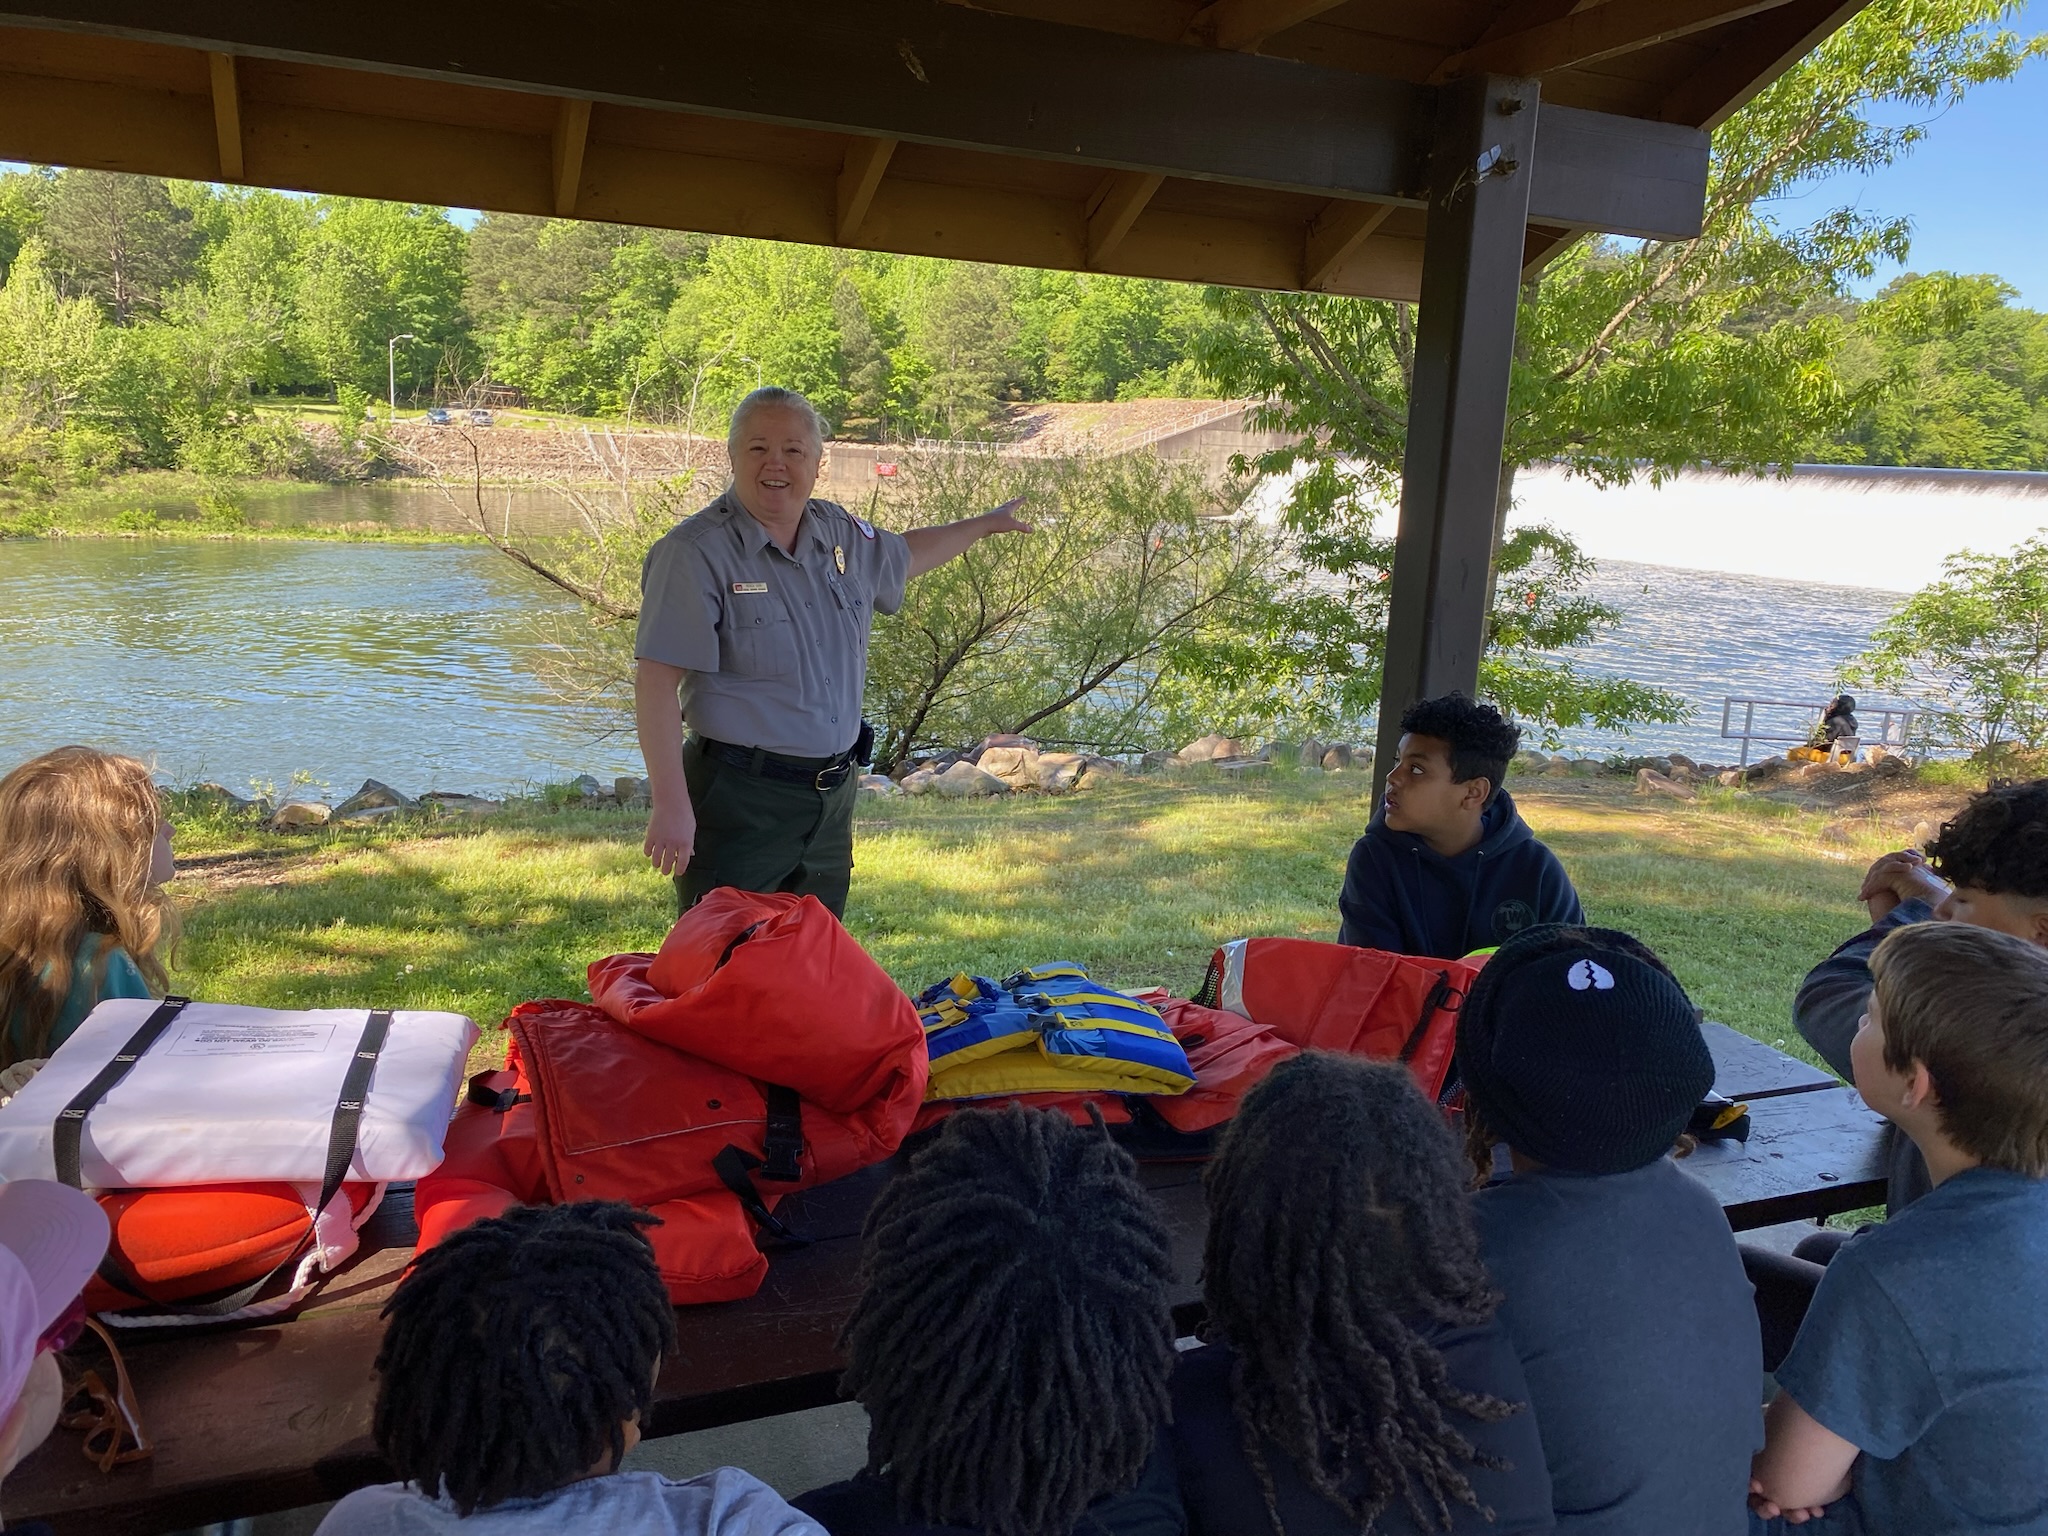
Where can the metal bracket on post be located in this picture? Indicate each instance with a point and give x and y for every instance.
(1480, 171)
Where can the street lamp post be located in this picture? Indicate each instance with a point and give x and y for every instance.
(391, 371)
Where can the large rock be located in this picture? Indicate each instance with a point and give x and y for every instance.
(1527, 761)
(1151, 762)
(1017, 767)
(965, 781)
(373, 796)
(1005, 739)
(918, 781)
(1587, 767)
(879, 784)
(631, 792)
(1680, 760)
(1312, 753)
(1099, 770)
(1337, 757)
(370, 813)
(1209, 748)
(1276, 752)
(1923, 833)
(1060, 773)
(1650, 782)
(1765, 770)
(299, 815)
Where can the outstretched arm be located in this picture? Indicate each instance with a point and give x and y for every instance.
(931, 548)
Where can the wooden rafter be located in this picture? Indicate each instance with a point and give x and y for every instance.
(1340, 229)
(866, 160)
(572, 133)
(1753, 56)
(227, 114)
(1619, 26)
(1118, 200)
(1242, 25)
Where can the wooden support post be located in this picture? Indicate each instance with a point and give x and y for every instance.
(866, 160)
(1341, 228)
(1119, 198)
(227, 114)
(1479, 177)
(572, 133)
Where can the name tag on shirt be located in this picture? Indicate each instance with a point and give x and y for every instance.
(750, 586)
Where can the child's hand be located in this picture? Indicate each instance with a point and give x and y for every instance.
(1766, 1510)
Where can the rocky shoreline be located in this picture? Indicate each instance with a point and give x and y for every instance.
(1011, 765)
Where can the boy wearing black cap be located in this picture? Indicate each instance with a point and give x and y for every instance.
(1448, 865)
(1582, 1061)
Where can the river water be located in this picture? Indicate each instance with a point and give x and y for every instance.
(255, 661)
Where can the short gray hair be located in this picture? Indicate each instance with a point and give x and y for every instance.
(772, 394)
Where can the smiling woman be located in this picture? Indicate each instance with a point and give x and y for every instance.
(756, 613)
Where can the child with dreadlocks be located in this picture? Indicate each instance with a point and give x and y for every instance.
(1582, 1061)
(1012, 1343)
(515, 1373)
(1357, 1379)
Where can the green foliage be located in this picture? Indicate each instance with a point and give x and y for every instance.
(1972, 651)
(1630, 357)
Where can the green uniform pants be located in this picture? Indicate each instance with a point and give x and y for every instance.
(763, 834)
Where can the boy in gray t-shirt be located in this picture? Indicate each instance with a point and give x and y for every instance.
(1915, 1398)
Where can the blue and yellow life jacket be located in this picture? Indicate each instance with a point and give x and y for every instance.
(1045, 1030)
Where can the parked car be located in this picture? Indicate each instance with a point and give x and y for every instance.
(479, 418)
(438, 416)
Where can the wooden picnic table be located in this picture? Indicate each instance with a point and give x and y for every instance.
(258, 1419)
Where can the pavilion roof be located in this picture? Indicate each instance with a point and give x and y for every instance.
(1270, 143)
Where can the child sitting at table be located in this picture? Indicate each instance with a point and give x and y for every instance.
(1915, 1397)
(85, 850)
(515, 1374)
(1357, 1378)
(1013, 1341)
(1582, 1061)
(1448, 865)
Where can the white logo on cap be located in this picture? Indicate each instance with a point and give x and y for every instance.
(1587, 975)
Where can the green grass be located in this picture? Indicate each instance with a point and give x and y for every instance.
(1139, 882)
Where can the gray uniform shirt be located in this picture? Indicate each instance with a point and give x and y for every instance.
(774, 645)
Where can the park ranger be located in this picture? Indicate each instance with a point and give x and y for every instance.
(756, 612)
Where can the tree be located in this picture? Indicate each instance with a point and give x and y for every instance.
(960, 346)
(1972, 651)
(119, 239)
(1643, 357)
(373, 271)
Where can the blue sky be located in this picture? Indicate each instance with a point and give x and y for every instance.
(1976, 188)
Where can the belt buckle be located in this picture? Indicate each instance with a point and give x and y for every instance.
(818, 781)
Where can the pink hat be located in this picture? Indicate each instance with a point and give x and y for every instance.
(52, 1238)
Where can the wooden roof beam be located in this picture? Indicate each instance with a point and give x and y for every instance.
(866, 160)
(572, 133)
(1241, 25)
(227, 114)
(1601, 32)
(1338, 231)
(1114, 208)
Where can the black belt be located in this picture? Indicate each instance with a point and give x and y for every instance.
(821, 773)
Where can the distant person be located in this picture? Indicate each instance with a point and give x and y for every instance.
(756, 612)
(1448, 866)
(516, 1372)
(52, 1238)
(85, 849)
(1838, 721)
(1356, 1376)
(1582, 1061)
(1916, 1397)
(1013, 1341)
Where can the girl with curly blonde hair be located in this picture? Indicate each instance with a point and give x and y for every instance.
(85, 850)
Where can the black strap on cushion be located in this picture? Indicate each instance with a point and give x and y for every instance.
(1439, 996)
(341, 1152)
(69, 1130)
(784, 1144)
(733, 1165)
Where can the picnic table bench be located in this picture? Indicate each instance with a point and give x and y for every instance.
(269, 1418)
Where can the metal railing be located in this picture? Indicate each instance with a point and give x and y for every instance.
(1893, 726)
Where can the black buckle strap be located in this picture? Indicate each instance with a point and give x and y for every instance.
(1440, 996)
(784, 1145)
(69, 1131)
(733, 1165)
(342, 1135)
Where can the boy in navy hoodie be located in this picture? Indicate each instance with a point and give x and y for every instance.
(1448, 865)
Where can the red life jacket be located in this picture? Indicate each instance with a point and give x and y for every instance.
(1334, 997)
(1230, 1054)
(760, 1052)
